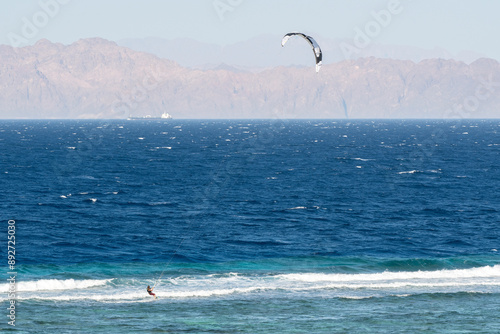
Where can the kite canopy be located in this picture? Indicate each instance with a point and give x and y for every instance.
(317, 50)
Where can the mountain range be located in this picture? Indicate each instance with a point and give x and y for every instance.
(97, 78)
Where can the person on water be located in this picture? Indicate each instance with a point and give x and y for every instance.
(150, 291)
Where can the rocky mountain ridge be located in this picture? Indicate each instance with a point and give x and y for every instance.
(96, 78)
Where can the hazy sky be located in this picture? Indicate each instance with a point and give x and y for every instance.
(454, 25)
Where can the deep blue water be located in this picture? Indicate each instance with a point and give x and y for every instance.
(248, 226)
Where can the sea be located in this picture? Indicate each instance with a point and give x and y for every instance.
(250, 226)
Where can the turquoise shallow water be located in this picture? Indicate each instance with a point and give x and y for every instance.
(292, 295)
(253, 226)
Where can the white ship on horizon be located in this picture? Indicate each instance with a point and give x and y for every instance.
(165, 115)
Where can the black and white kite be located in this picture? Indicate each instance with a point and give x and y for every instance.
(317, 50)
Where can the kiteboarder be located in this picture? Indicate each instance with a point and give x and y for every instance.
(150, 291)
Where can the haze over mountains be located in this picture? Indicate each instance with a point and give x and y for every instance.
(96, 78)
(265, 51)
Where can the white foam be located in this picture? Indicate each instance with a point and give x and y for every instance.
(389, 283)
(410, 172)
(482, 272)
(54, 285)
(227, 285)
(110, 296)
(435, 171)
